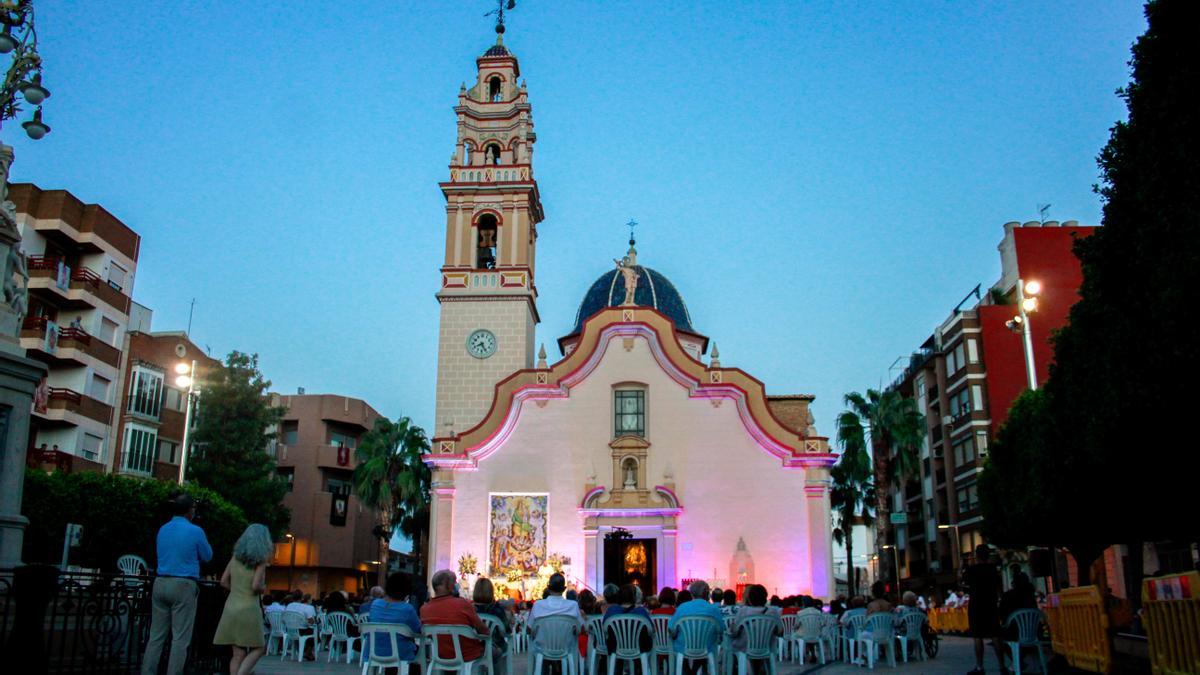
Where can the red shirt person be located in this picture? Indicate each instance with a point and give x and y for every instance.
(447, 609)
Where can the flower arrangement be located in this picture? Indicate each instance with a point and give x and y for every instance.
(467, 564)
(558, 561)
(513, 575)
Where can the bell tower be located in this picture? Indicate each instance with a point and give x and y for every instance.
(487, 294)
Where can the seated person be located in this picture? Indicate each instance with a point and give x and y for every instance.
(393, 607)
(756, 605)
(445, 608)
(696, 605)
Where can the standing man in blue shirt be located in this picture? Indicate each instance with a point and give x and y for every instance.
(182, 546)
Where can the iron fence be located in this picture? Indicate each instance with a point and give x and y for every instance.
(94, 623)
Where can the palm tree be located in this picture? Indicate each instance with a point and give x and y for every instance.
(894, 427)
(852, 494)
(391, 478)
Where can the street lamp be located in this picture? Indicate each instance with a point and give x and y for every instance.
(1027, 303)
(955, 547)
(292, 566)
(186, 377)
(896, 558)
(19, 38)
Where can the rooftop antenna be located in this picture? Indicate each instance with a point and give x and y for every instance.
(501, 7)
(1042, 209)
(191, 311)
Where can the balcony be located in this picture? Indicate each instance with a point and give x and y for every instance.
(63, 403)
(60, 217)
(66, 346)
(73, 288)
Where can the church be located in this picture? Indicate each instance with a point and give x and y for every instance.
(636, 457)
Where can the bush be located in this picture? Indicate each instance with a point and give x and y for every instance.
(119, 515)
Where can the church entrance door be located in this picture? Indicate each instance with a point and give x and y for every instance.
(631, 561)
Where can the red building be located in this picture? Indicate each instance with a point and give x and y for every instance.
(964, 378)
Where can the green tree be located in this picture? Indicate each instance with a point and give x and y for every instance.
(852, 494)
(229, 454)
(119, 514)
(1125, 366)
(391, 478)
(894, 428)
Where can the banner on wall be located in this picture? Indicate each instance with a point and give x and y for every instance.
(517, 536)
(337, 509)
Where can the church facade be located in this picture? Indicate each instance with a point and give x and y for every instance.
(630, 459)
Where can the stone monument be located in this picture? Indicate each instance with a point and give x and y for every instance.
(19, 376)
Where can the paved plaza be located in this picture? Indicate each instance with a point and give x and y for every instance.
(956, 656)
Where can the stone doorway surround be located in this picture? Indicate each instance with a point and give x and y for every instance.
(646, 514)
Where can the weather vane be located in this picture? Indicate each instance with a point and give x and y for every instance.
(632, 224)
(501, 7)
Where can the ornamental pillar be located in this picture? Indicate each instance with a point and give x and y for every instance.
(441, 522)
(820, 532)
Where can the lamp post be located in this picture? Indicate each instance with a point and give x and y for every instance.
(896, 559)
(186, 377)
(1027, 303)
(954, 549)
(19, 38)
(291, 566)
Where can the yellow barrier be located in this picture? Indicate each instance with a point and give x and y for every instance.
(1172, 616)
(949, 620)
(1079, 628)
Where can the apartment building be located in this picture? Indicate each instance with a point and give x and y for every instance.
(150, 420)
(330, 544)
(964, 377)
(82, 263)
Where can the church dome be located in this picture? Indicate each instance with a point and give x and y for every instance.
(653, 290)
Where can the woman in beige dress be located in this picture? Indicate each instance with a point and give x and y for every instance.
(245, 577)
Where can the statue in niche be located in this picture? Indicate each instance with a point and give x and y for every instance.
(630, 468)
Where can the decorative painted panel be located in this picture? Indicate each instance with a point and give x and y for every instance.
(517, 540)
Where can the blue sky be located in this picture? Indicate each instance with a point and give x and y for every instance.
(822, 181)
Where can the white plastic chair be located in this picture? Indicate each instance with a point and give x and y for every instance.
(829, 633)
(275, 622)
(521, 631)
(1029, 622)
(662, 642)
(880, 632)
(787, 643)
(913, 624)
(495, 625)
(335, 624)
(132, 565)
(376, 634)
(596, 646)
(456, 663)
(852, 628)
(555, 638)
(761, 631)
(628, 629)
(293, 623)
(697, 633)
(811, 631)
